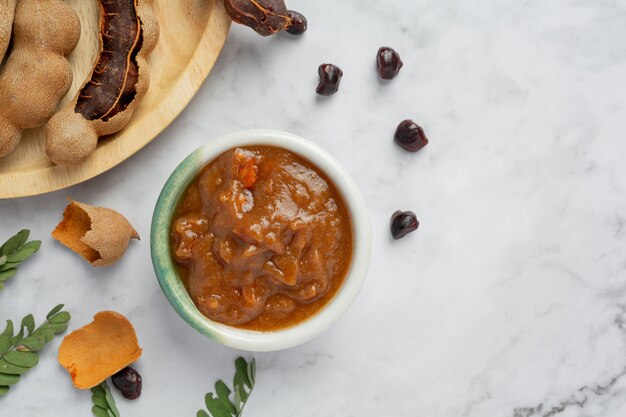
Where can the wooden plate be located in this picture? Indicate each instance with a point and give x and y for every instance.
(192, 35)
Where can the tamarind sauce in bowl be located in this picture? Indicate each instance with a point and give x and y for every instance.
(260, 240)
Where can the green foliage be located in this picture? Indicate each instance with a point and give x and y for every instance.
(13, 252)
(220, 404)
(103, 402)
(19, 352)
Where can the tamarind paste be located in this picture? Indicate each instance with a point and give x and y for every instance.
(261, 239)
(112, 85)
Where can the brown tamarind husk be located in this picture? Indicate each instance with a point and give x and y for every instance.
(99, 234)
(105, 103)
(7, 12)
(36, 74)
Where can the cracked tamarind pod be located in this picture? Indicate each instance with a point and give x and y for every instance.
(104, 105)
(36, 75)
(266, 17)
(7, 12)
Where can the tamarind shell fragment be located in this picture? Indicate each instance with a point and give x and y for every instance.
(36, 75)
(99, 234)
(119, 80)
(266, 17)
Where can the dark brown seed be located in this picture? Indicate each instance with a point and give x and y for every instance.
(298, 23)
(410, 136)
(402, 223)
(389, 63)
(330, 76)
(128, 381)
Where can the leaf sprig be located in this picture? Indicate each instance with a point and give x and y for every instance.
(243, 383)
(103, 401)
(13, 252)
(18, 353)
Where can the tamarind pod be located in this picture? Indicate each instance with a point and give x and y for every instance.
(36, 75)
(7, 11)
(265, 17)
(119, 80)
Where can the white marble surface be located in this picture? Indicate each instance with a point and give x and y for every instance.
(509, 301)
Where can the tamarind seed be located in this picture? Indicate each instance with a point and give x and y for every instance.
(388, 62)
(330, 76)
(298, 23)
(410, 136)
(403, 223)
(128, 381)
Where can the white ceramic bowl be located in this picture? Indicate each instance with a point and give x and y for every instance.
(176, 292)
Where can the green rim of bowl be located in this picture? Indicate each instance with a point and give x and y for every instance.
(164, 267)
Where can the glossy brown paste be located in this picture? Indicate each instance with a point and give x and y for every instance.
(262, 239)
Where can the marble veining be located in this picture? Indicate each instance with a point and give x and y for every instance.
(509, 301)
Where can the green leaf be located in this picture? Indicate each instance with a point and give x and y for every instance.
(99, 412)
(107, 394)
(99, 401)
(252, 372)
(23, 359)
(19, 355)
(14, 242)
(215, 406)
(13, 252)
(9, 265)
(28, 322)
(6, 379)
(18, 337)
(242, 369)
(57, 328)
(33, 244)
(54, 311)
(8, 274)
(223, 392)
(60, 318)
(9, 368)
(237, 401)
(44, 332)
(239, 384)
(221, 405)
(5, 344)
(3, 390)
(8, 330)
(103, 401)
(33, 343)
(98, 391)
(21, 255)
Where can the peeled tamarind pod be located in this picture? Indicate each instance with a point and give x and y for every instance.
(107, 100)
(7, 11)
(36, 75)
